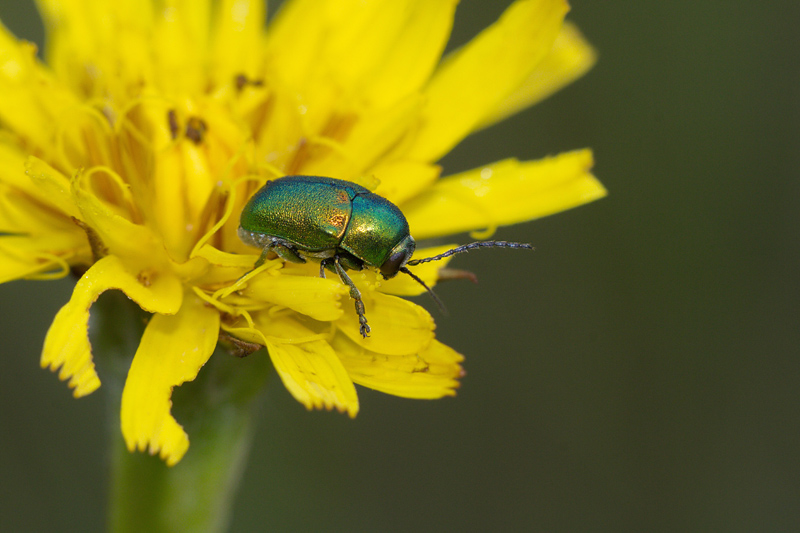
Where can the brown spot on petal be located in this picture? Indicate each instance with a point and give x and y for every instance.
(196, 129)
(241, 81)
(174, 127)
(238, 347)
(422, 368)
(146, 277)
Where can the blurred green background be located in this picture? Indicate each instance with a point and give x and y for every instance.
(639, 371)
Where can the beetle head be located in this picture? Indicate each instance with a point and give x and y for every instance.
(398, 257)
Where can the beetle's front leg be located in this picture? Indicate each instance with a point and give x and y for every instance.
(355, 294)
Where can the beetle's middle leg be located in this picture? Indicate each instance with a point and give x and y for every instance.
(345, 260)
(355, 294)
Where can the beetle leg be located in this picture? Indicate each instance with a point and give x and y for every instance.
(263, 256)
(350, 262)
(355, 294)
(287, 252)
(322, 265)
(283, 250)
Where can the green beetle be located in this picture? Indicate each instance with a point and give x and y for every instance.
(340, 224)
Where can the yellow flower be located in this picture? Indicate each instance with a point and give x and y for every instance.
(129, 154)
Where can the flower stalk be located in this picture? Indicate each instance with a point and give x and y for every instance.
(217, 409)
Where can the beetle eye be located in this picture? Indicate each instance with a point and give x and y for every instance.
(390, 267)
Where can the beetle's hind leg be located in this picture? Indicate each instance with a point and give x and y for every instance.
(263, 256)
(284, 249)
(287, 252)
(355, 294)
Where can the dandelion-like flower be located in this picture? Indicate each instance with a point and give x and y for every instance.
(128, 156)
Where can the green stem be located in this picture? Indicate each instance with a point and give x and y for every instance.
(217, 412)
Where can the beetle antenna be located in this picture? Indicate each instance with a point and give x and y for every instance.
(472, 246)
(416, 278)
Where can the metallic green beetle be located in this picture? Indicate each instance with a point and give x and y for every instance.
(340, 224)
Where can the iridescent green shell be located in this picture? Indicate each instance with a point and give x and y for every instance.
(318, 214)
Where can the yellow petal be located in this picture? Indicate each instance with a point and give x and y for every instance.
(403, 179)
(285, 131)
(43, 255)
(84, 138)
(428, 374)
(114, 49)
(31, 100)
(236, 44)
(17, 262)
(220, 267)
(67, 343)
(503, 193)
(471, 83)
(171, 352)
(91, 41)
(223, 259)
(377, 132)
(36, 238)
(180, 44)
(377, 52)
(52, 184)
(398, 326)
(22, 214)
(135, 243)
(391, 48)
(311, 371)
(12, 170)
(192, 178)
(170, 206)
(569, 59)
(309, 295)
(332, 63)
(16, 265)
